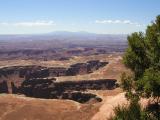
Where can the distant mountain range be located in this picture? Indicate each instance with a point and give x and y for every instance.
(65, 35)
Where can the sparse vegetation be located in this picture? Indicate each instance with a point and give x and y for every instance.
(132, 112)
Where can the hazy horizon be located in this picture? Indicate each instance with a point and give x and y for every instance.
(64, 32)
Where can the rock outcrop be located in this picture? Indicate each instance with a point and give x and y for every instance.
(39, 82)
(36, 88)
(73, 90)
(86, 84)
(51, 89)
(33, 71)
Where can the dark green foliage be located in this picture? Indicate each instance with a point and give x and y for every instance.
(143, 58)
(135, 57)
(150, 83)
(126, 82)
(144, 49)
(132, 112)
(152, 39)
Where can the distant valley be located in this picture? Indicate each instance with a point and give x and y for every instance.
(59, 45)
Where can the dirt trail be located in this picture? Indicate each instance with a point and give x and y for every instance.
(106, 110)
(110, 102)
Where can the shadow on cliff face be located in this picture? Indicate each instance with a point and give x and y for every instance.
(48, 89)
(33, 71)
(51, 89)
(72, 90)
(81, 97)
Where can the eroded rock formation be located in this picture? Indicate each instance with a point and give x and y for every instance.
(34, 71)
(74, 90)
(50, 89)
(84, 68)
(39, 82)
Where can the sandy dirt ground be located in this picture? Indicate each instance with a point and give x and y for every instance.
(106, 111)
(14, 107)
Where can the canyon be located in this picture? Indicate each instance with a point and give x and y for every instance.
(56, 79)
(39, 82)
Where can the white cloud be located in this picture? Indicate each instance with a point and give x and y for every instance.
(117, 22)
(30, 24)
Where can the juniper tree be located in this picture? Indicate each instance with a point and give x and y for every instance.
(143, 58)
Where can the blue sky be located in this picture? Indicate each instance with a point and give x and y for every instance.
(98, 16)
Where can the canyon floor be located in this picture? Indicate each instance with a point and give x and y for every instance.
(19, 107)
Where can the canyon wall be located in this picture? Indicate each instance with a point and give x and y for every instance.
(73, 90)
(17, 74)
(39, 82)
